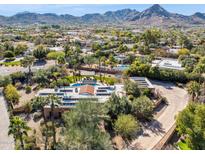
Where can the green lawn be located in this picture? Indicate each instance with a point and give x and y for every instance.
(183, 146)
(105, 79)
(12, 63)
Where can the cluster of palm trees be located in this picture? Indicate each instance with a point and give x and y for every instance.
(19, 128)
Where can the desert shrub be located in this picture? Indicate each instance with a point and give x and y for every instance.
(28, 89)
(55, 54)
(37, 116)
(18, 85)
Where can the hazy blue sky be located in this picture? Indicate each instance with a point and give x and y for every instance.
(78, 10)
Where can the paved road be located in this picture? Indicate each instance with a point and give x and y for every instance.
(155, 130)
(6, 142)
(9, 70)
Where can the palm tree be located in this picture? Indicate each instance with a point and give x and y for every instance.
(84, 128)
(61, 60)
(40, 102)
(99, 68)
(18, 128)
(193, 89)
(67, 50)
(54, 102)
(28, 62)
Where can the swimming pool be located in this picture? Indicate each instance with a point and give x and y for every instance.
(121, 67)
(80, 84)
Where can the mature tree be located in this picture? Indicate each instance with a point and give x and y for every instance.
(20, 49)
(5, 80)
(39, 103)
(89, 60)
(11, 95)
(111, 60)
(131, 88)
(41, 77)
(139, 67)
(61, 60)
(55, 54)
(54, 101)
(18, 128)
(47, 133)
(191, 124)
(126, 125)
(9, 54)
(28, 62)
(74, 61)
(188, 61)
(122, 48)
(199, 49)
(151, 36)
(184, 41)
(200, 67)
(9, 46)
(183, 51)
(116, 106)
(40, 52)
(193, 89)
(143, 107)
(67, 50)
(96, 46)
(84, 128)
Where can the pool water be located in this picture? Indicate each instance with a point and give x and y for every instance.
(121, 67)
(80, 84)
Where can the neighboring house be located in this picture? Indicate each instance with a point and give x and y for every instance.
(142, 82)
(167, 64)
(174, 49)
(56, 49)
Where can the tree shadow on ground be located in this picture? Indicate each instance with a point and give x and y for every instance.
(154, 126)
(160, 107)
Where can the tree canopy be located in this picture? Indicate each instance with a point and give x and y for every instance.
(83, 128)
(191, 124)
(126, 125)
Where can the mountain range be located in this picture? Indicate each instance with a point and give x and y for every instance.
(153, 16)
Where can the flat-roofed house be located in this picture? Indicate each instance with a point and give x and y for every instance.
(142, 82)
(71, 95)
(87, 90)
(167, 63)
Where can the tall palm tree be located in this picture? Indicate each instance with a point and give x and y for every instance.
(28, 62)
(61, 60)
(54, 102)
(193, 89)
(41, 102)
(83, 128)
(99, 68)
(18, 128)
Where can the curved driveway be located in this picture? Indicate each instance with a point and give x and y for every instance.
(155, 130)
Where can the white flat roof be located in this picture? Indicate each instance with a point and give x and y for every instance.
(168, 63)
(56, 48)
(75, 94)
(142, 82)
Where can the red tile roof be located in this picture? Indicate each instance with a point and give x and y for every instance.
(87, 89)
